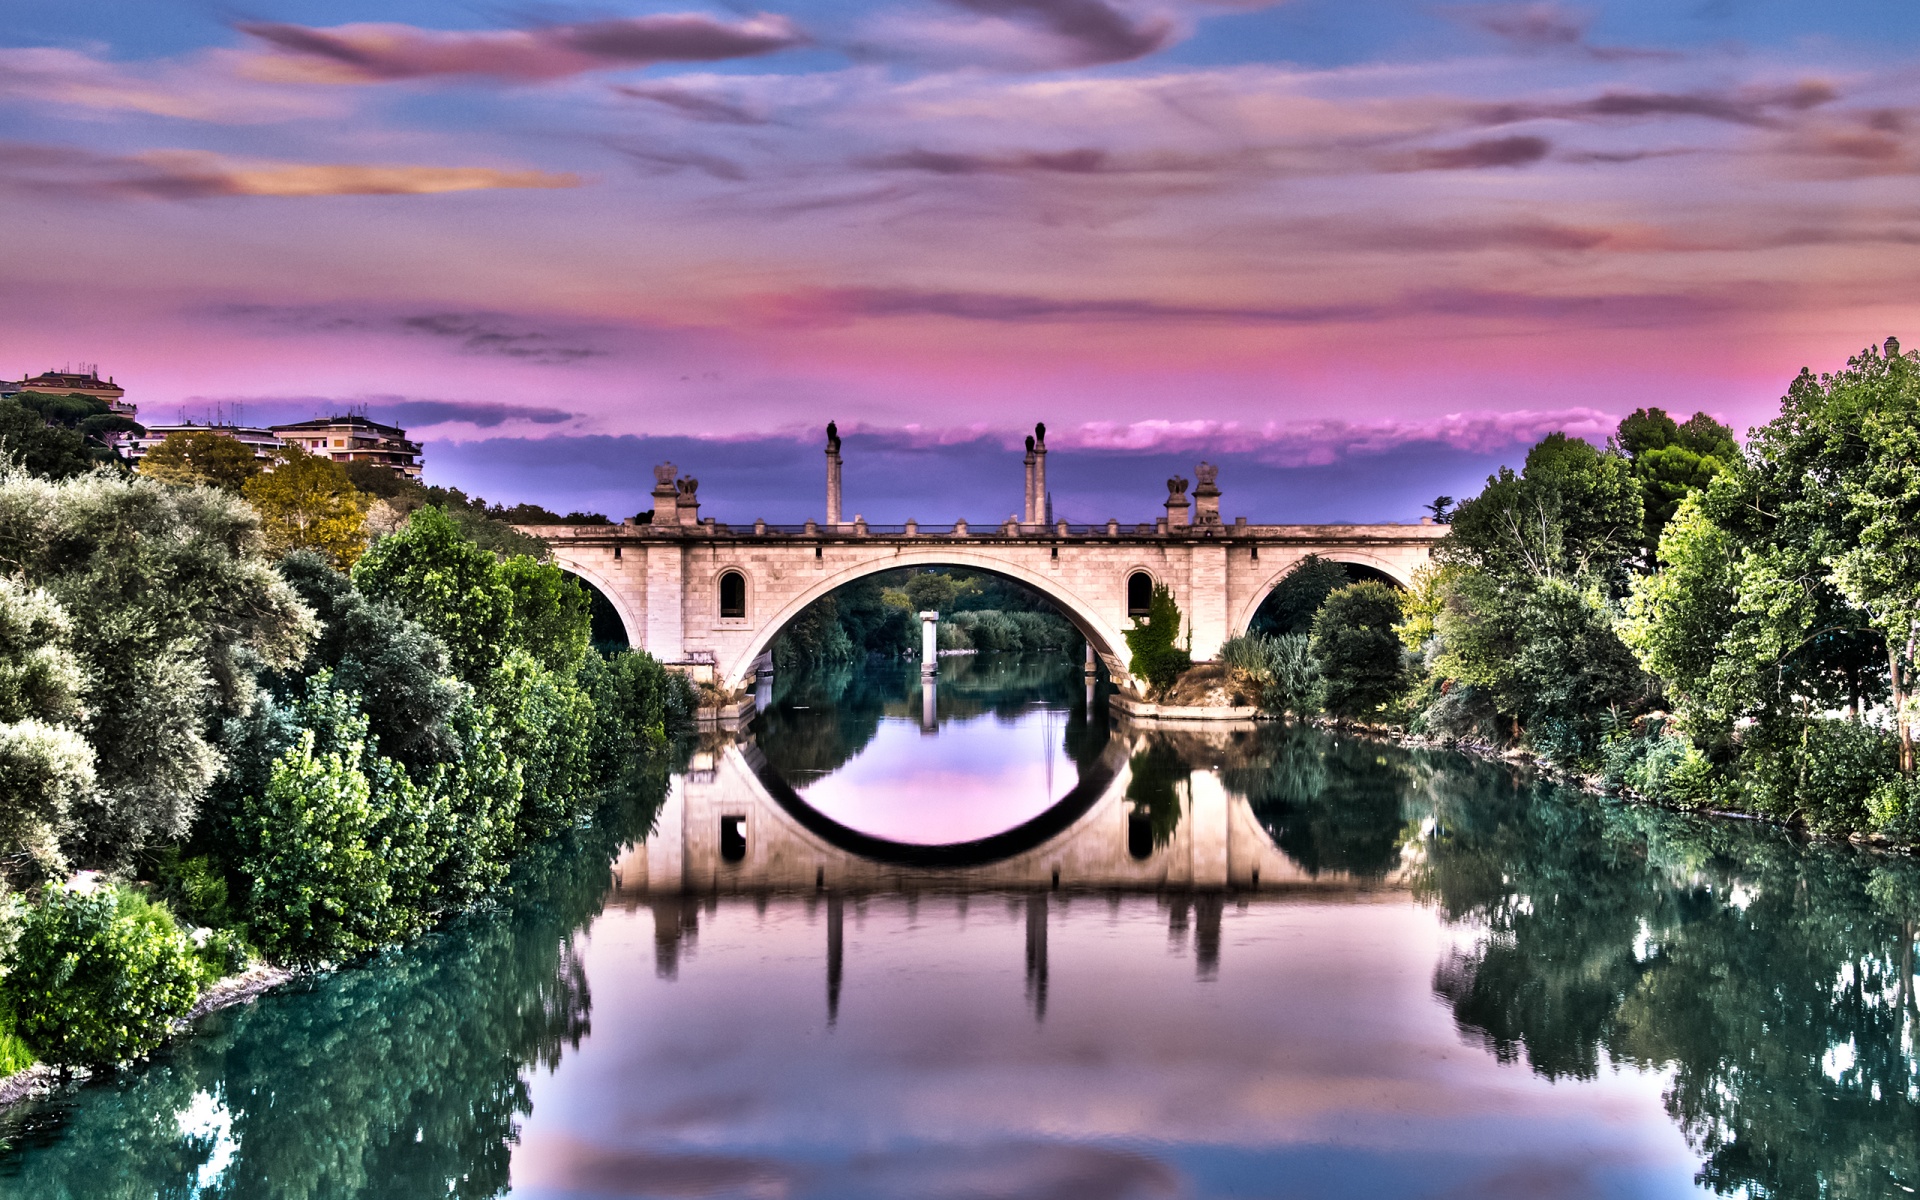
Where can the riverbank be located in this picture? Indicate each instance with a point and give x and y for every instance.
(42, 1078)
(242, 987)
(1595, 784)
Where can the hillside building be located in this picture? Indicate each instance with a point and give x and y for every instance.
(264, 443)
(75, 383)
(355, 439)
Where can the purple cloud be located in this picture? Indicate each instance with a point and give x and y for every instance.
(1474, 156)
(379, 53)
(1093, 31)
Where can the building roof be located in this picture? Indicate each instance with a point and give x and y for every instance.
(320, 423)
(70, 381)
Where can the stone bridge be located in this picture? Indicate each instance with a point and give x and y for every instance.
(694, 589)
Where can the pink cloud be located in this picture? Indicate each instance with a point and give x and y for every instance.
(379, 53)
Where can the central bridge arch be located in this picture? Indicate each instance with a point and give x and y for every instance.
(1107, 642)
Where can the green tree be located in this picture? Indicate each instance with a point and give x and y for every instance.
(548, 724)
(324, 846)
(1679, 619)
(307, 503)
(181, 606)
(1362, 665)
(1153, 640)
(400, 671)
(202, 456)
(931, 591)
(45, 763)
(1573, 512)
(438, 577)
(1880, 570)
(1671, 460)
(39, 448)
(552, 615)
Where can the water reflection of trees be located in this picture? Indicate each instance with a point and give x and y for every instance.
(402, 1078)
(1773, 979)
(821, 719)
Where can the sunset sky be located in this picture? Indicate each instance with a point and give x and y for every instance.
(1357, 251)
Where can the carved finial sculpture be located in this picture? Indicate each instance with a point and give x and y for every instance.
(664, 473)
(1040, 434)
(833, 437)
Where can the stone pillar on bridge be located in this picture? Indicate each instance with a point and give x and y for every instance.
(1177, 505)
(1026, 499)
(1042, 510)
(833, 475)
(666, 496)
(666, 600)
(1206, 496)
(1206, 600)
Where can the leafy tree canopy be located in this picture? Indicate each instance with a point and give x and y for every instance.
(307, 503)
(1672, 460)
(438, 577)
(181, 607)
(1572, 512)
(1362, 667)
(202, 456)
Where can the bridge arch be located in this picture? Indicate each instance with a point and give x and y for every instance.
(1243, 619)
(1084, 616)
(614, 595)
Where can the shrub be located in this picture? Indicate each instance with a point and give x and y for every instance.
(1823, 771)
(432, 572)
(341, 847)
(1279, 670)
(99, 978)
(194, 887)
(220, 952)
(1155, 656)
(637, 705)
(15, 1055)
(1894, 809)
(1362, 665)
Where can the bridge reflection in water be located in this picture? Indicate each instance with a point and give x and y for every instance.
(731, 828)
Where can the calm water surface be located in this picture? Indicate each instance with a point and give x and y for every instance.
(986, 943)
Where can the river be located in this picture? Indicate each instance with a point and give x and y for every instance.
(988, 942)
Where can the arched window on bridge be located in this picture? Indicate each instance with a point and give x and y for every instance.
(733, 595)
(1139, 594)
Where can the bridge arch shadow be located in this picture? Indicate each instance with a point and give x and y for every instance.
(612, 624)
(1361, 568)
(1106, 641)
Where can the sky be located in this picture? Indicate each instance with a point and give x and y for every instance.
(1357, 252)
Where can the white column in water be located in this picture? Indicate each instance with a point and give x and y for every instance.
(929, 643)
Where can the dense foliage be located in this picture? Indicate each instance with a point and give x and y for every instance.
(1694, 621)
(193, 694)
